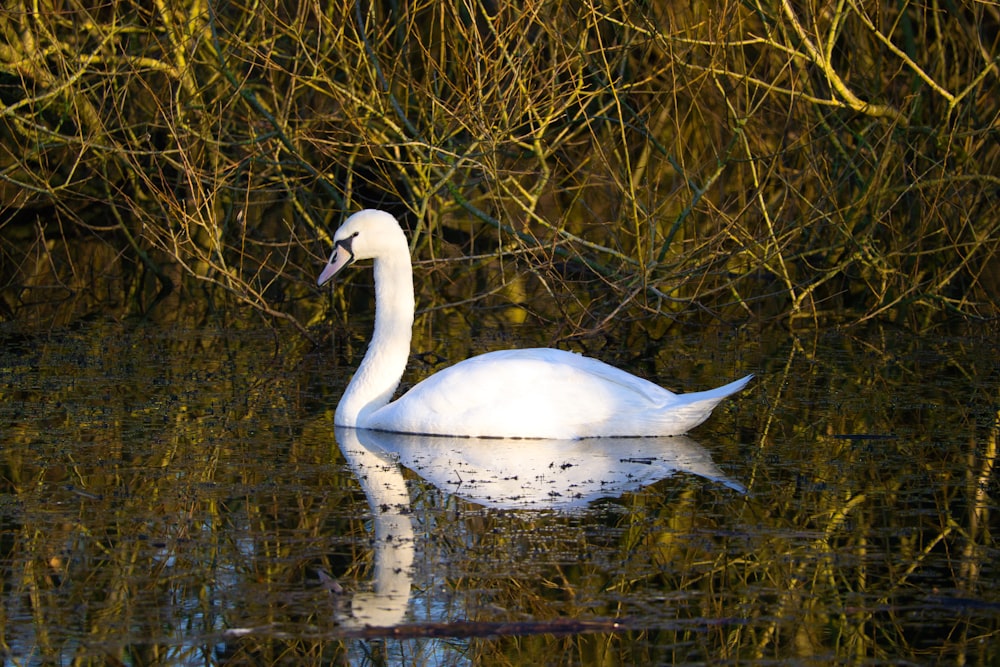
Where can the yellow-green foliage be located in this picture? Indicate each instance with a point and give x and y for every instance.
(763, 158)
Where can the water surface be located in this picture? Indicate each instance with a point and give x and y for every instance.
(182, 497)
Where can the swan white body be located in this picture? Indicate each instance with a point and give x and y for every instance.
(531, 393)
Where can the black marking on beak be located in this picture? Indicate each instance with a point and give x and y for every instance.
(346, 245)
(343, 255)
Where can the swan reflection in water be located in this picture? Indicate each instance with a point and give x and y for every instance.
(562, 475)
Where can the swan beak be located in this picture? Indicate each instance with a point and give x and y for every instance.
(341, 257)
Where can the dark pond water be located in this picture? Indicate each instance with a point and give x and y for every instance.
(182, 497)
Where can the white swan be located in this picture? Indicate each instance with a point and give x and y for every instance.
(532, 393)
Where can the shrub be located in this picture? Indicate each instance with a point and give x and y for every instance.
(726, 160)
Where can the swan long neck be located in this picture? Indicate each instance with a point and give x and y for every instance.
(380, 371)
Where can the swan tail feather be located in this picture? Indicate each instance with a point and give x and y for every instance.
(720, 392)
(694, 408)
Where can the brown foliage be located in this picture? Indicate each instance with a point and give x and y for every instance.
(737, 160)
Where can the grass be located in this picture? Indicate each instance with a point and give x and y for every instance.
(729, 161)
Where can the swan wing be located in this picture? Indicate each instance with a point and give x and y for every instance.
(537, 393)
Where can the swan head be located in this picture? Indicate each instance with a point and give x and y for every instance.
(367, 234)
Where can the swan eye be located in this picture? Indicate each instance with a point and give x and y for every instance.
(346, 242)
